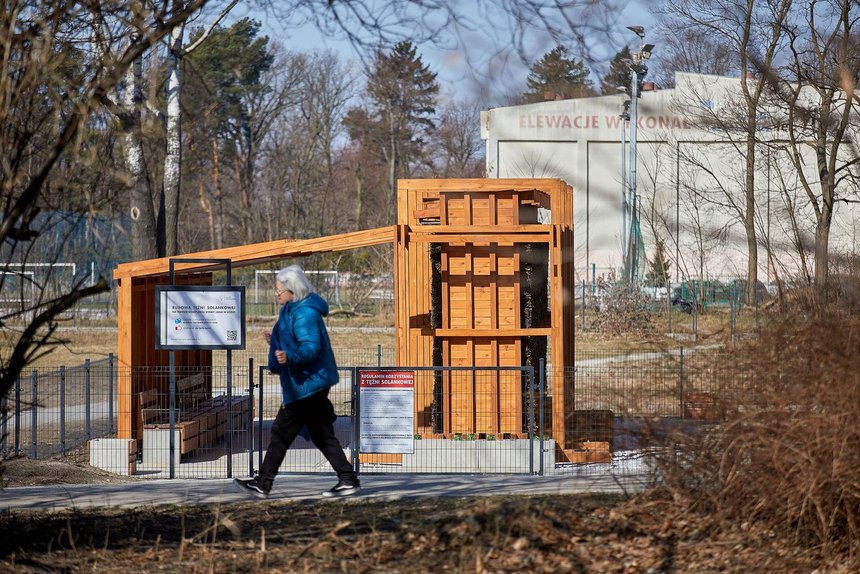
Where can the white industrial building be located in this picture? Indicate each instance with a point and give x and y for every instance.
(689, 179)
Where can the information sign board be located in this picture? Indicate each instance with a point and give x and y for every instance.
(387, 401)
(200, 317)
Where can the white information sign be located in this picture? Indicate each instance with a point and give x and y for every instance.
(387, 411)
(200, 317)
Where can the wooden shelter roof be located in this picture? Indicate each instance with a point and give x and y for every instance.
(255, 253)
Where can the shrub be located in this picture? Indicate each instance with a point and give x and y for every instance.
(789, 453)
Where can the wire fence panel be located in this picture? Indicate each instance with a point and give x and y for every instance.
(466, 419)
(194, 423)
(303, 456)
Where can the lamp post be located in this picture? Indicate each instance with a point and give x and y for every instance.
(625, 119)
(638, 69)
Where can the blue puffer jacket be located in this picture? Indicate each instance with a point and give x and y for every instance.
(300, 333)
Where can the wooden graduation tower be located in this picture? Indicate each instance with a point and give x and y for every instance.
(484, 278)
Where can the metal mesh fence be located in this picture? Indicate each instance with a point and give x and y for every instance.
(686, 309)
(473, 420)
(467, 420)
(56, 412)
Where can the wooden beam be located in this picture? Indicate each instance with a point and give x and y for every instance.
(486, 238)
(123, 344)
(477, 184)
(522, 332)
(473, 229)
(256, 253)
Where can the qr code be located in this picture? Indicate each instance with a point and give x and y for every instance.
(231, 335)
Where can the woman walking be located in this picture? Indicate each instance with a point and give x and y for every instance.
(300, 352)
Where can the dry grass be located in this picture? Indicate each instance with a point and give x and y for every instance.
(787, 457)
(520, 534)
(75, 344)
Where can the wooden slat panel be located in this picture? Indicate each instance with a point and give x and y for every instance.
(510, 392)
(481, 211)
(486, 388)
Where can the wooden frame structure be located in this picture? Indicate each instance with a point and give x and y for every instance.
(136, 282)
(480, 228)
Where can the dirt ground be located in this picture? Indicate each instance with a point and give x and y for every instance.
(652, 533)
(22, 471)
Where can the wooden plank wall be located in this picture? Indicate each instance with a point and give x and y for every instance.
(136, 344)
(479, 223)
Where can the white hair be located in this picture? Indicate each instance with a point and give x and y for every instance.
(293, 279)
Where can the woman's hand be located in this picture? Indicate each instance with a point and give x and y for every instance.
(281, 357)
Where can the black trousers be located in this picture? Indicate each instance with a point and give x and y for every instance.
(317, 413)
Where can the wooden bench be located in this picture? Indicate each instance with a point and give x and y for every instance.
(200, 418)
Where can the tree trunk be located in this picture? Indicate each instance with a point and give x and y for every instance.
(245, 175)
(822, 234)
(206, 206)
(749, 213)
(358, 197)
(143, 233)
(392, 174)
(217, 193)
(173, 156)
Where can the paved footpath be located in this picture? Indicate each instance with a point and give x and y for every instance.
(302, 487)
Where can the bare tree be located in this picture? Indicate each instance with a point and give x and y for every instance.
(753, 31)
(457, 143)
(816, 110)
(693, 50)
(61, 63)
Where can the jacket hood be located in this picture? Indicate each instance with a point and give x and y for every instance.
(316, 303)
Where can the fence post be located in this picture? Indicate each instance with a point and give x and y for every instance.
(695, 316)
(33, 415)
(250, 416)
(379, 355)
(62, 410)
(18, 416)
(171, 414)
(260, 420)
(681, 381)
(4, 431)
(541, 392)
(531, 375)
(88, 429)
(582, 314)
(733, 317)
(229, 413)
(669, 304)
(355, 442)
(110, 394)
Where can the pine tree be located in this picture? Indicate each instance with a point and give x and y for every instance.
(557, 76)
(658, 272)
(402, 101)
(618, 74)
